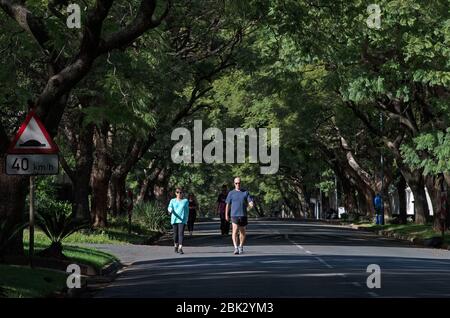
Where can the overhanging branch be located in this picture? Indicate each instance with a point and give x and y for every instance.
(143, 21)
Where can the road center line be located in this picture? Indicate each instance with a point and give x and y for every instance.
(310, 253)
(323, 262)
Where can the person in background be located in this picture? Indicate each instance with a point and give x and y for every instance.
(221, 204)
(179, 211)
(378, 204)
(237, 201)
(193, 205)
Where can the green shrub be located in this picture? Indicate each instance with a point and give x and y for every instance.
(345, 216)
(153, 216)
(56, 221)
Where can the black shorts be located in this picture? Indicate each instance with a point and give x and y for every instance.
(239, 220)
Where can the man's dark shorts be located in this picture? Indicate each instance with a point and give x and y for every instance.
(239, 220)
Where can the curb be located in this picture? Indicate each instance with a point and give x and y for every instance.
(91, 283)
(153, 239)
(110, 269)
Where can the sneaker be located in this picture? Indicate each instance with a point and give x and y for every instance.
(236, 251)
(176, 249)
(180, 250)
(241, 249)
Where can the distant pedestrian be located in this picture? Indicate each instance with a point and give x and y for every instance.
(378, 204)
(193, 205)
(238, 199)
(221, 205)
(179, 210)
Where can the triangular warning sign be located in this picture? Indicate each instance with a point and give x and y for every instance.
(33, 138)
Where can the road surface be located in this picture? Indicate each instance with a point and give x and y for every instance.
(282, 259)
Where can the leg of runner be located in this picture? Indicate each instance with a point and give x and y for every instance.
(242, 235)
(235, 238)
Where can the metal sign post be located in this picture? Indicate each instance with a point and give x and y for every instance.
(31, 247)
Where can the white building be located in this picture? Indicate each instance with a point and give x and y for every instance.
(394, 201)
(410, 202)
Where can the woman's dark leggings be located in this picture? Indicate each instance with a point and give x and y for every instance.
(178, 233)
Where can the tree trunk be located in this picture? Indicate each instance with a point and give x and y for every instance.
(365, 198)
(13, 191)
(387, 181)
(325, 205)
(101, 174)
(417, 185)
(81, 209)
(147, 184)
(348, 190)
(447, 179)
(387, 205)
(401, 189)
(83, 169)
(160, 188)
(304, 199)
(363, 181)
(435, 185)
(285, 193)
(143, 191)
(117, 194)
(135, 151)
(414, 179)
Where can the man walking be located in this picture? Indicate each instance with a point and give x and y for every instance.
(238, 199)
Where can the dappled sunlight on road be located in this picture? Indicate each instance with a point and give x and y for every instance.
(304, 261)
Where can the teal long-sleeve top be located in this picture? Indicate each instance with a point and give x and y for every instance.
(180, 211)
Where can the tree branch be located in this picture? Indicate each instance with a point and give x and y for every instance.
(363, 117)
(143, 21)
(66, 168)
(52, 97)
(397, 115)
(31, 24)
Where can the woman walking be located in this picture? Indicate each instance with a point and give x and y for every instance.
(179, 210)
(192, 213)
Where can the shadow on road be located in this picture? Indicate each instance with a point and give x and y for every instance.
(207, 234)
(281, 276)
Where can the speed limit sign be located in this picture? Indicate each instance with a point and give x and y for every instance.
(30, 164)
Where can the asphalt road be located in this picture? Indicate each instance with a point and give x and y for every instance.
(281, 259)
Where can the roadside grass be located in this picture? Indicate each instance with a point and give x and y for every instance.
(25, 282)
(115, 233)
(89, 256)
(411, 230)
(82, 255)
